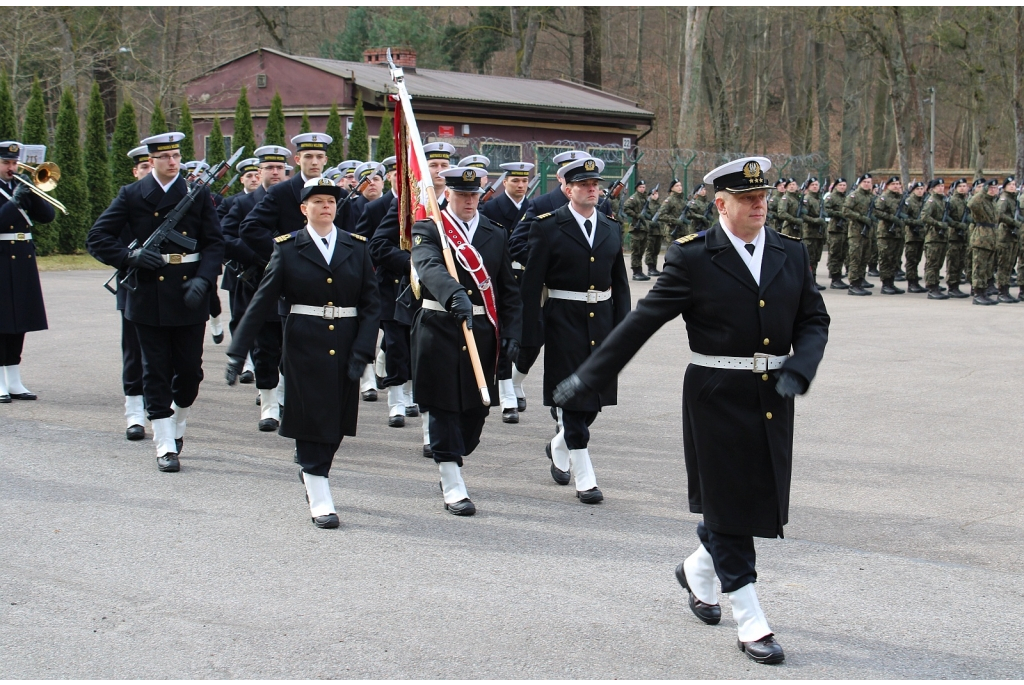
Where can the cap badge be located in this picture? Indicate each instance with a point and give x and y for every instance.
(314, 139)
(751, 170)
(418, 239)
(468, 175)
(14, 148)
(589, 165)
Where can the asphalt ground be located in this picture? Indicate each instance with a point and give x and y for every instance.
(902, 559)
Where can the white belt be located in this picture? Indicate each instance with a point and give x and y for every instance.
(15, 236)
(590, 296)
(181, 258)
(759, 363)
(478, 309)
(324, 312)
(517, 265)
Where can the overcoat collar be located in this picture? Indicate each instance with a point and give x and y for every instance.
(154, 194)
(343, 248)
(567, 223)
(727, 259)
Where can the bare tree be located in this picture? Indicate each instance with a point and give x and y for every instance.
(696, 22)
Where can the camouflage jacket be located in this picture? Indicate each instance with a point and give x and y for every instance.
(913, 223)
(634, 205)
(789, 207)
(885, 213)
(698, 208)
(983, 221)
(773, 210)
(671, 209)
(1006, 207)
(856, 209)
(959, 218)
(931, 217)
(834, 209)
(814, 225)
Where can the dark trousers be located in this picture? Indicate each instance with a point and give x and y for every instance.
(11, 345)
(215, 307)
(577, 427)
(172, 366)
(454, 435)
(733, 556)
(527, 357)
(131, 358)
(266, 354)
(397, 363)
(238, 302)
(316, 458)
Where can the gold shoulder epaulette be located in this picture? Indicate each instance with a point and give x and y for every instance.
(545, 215)
(686, 238)
(282, 238)
(358, 237)
(790, 237)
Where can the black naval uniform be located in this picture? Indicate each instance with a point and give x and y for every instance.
(21, 296)
(323, 399)
(170, 334)
(737, 430)
(443, 377)
(240, 255)
(373, 213)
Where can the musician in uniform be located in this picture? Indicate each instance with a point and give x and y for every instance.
(576, 253)
(443, 377)
(326, 279)
(757, 328)
(21, 296)
(170, 305)
(505, 209)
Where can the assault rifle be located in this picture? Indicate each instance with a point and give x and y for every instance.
(615, 189)
(493, 188)
(643, 210)
(532, 188)
(166, 230)
(901, 217)
(228, 185)
(864, 228)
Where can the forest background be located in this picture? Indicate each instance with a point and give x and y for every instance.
(849, 86)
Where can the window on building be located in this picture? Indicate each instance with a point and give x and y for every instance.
(206, 146)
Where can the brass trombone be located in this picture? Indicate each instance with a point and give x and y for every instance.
(40, 180)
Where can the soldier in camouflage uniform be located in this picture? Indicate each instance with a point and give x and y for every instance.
(979, 183)
(813, 230)
(860, 233)
(640, 225)
(913, 236)
(701, 219)
(1007, 235)
(957, 220)
(837, 240)
(890, 232)
(654, 236)
(873, 251)
(772, 220)
(673, 208)
(789, 209)
(983, 240)
(936, 238)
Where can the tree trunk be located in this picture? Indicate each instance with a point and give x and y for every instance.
(696, 22)
(924, 125)
(853, 67)
(592, 43)
(821, 90)
(789, 83)
(1018, 89)
(638, 75)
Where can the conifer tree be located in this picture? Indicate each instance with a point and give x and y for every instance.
(359, 140)
(97, 164)
(126, 139)
(386, 139)
(34, 131)
(243, 135)
(8, 122)
(188, 143)
(158, 122)
(336, 150)
(72, 190)
(215, 153)
(275, 133)
(305, 126)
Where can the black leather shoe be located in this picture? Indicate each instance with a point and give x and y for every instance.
(561, 477)
(412, 410)
(428, 452)
(246, 377)
(369, 395)
(5, 399)
(653, 273)
(23, 396)
(554, 414)
(856, 289)
(218, 339)
(168, 462)
(818, 286)
(763, 651)
(521, 401)
(640, 276)
(326, 521)
(591, 496)
(709, 613)
(135, 432)
(268, 425)
(464, 507)
(509, 416)
(258, 401)
(839, 284)
(179, 444)
(396, 421)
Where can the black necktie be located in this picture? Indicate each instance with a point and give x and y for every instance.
(750, 248)
(328, 244)
(589, 228)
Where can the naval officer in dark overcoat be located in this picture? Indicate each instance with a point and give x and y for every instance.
(442, 374)
(576, 253)
(326, 278)
(757, 328)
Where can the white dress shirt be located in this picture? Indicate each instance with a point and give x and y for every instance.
(519, 205)
(580, 219)
(157, 179)
(753, 261)
(468, 227)
(326, 249)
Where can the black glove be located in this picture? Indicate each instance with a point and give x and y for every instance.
(510, 350)
(195, 292)
(461, 308)
(235, 365)
(144, 259)
(789, 384)
(568, 389)
(356, 368)
(21, 195)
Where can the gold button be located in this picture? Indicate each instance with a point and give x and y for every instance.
(184, 232)
(156, 213)
(766, 341)
(463, 348)
(330, 304)
(591, 259)
(764, 376)
(592, 343)
(469, 292)
(332, 354)
(396, 281)
(591, 315)
(160, 279)
(768, 416)
(330, 280)
(331, 327)
(761, 303)
(184, 278)
(592, 287)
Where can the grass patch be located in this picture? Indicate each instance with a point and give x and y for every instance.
(70, 262)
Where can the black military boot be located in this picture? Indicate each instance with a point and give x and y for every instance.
(1020, 297)
(864, 283)
(1005, 296)
(980, 297)
(839, 284)
(915, 287)
(873, 270)
(640, 276)
(857, 288)
(901, 275)
(954, 291)
(889, 289)
(935, 294)
(991, 290)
